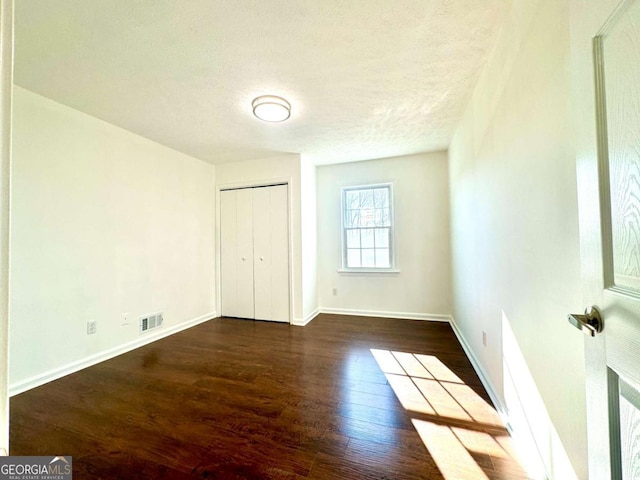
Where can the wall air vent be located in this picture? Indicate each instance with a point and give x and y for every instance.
(149, 322)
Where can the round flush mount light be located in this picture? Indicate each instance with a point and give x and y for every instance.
(270, 108)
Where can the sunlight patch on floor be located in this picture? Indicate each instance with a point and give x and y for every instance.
(481, 442)
(438, 369)
(477, 407)
(426, 387)
(443, 403)
(409, 395)
(411, 365)
(387, 362)
(452, 458)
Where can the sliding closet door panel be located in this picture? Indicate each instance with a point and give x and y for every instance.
(228, 253)
(279, 223)
(244, 241)
(262, 252)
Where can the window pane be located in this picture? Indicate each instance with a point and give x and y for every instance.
(382, 258)
(368, 257)
(382, 237)
(367, 217)
(352, 199)
(352, 218)
(381, 197)
(353, 257)
(367, 238)
(366, 198)
(353, 238)
(383, 217)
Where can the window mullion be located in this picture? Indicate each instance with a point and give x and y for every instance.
(360, 244)
(375, 250)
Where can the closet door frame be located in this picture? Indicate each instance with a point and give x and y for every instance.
(254, 184)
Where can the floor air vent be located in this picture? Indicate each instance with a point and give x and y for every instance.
(149, 322)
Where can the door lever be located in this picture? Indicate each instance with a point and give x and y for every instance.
(590, 323)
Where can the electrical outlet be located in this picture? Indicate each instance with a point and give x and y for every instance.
(125, 319)
(92, 327)
(484, 338)
(335, 292)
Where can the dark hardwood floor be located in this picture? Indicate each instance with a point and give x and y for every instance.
(238, 399)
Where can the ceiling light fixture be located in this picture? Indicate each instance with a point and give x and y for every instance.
(270, 108)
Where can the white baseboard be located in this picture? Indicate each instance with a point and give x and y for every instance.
(304, 321)
(432, 317)
(56, 373)
(484, 378)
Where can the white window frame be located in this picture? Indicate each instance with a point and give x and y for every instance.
(391, 269)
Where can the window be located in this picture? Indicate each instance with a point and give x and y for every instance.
(367, 227)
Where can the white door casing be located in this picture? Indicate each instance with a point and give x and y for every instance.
(6, 86)
(605, 42)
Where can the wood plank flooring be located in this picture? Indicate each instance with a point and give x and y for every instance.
(238, 399)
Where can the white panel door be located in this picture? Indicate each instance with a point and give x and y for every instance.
(271, 253)
(228, 254)
(262, 252)
(606, 39)
(279, 253)
(244, 259)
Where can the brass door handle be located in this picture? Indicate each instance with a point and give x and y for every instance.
(590, 323)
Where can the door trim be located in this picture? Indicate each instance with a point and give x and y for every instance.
(6, 94)
(277, 184)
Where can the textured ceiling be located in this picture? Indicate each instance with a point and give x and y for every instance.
(367, 79)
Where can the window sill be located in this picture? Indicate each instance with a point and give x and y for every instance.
(391, 272)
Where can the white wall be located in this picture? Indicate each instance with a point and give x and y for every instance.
(309, 241)
(264, 171)
(104, 222)
(421, 239)
(515, 243)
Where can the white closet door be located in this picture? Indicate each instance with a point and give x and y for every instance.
(228, 254)
(262, 252)
(244, 241)
(254, 251)
(279, 253)
(271, 253)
